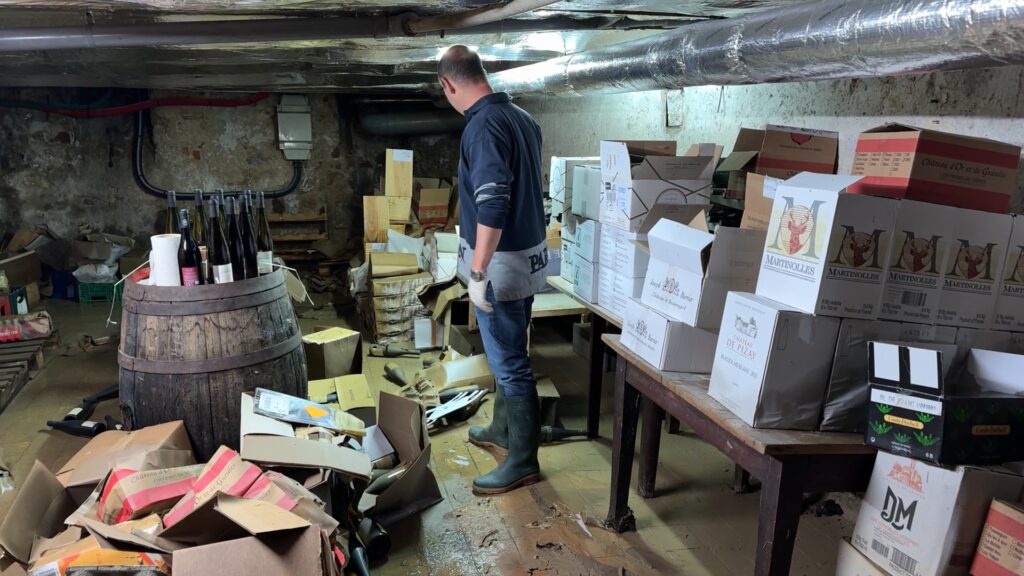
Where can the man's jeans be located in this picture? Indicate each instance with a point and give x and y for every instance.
(504, 332)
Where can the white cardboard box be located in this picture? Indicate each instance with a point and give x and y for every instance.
(691, 271)
(772, 363)
(974, 269)
(568, 270)
(615, 290)
(851, 562)
(560, 181)
(569, 221)
(1010, 304)
(922, 520)
(826, 250)
(619, 250)
(585, 277)
(917, 263)
(586, 192)
(628, 192)
(588, 238)
(667, 345)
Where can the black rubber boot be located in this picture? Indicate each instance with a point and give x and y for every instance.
(521, 467)
(494, 436)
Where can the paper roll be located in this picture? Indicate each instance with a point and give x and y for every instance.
(163, 260)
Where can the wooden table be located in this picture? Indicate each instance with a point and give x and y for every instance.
(552, 304)
(788, 463)
(600, 318)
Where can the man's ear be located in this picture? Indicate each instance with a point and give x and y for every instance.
(447, 85)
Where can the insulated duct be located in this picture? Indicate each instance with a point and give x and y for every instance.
(827, 39)
(476, 17)
(411, 123)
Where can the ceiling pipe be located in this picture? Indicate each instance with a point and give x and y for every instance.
(827, 39)
(475, 17)
(211, 32)
(411, 123)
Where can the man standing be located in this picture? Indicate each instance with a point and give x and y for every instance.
(502, 256)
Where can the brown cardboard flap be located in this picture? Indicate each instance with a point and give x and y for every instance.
(43, 545)
(300, 453)
(757, 209)
(748, 140)
(736, 161)
(38, 510)
(226, 517)
(296, 553)
(650, 147)
(132, 538)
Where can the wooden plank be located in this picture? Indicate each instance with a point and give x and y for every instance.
(299, 237)
(551, 304)
(398, 172)
(300, 217)
(375, 219)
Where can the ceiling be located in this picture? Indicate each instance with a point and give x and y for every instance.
(377, 65)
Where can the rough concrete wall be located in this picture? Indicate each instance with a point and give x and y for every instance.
(984, 103)
(67, 172)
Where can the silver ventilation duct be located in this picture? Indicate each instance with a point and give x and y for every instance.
(826, 39)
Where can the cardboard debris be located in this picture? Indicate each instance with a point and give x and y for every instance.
(296, 553)
(349, 393)
(473, 370)
(128, 494)
(226, 473)
(38, 511)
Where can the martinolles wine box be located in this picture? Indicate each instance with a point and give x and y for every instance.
(924, 407)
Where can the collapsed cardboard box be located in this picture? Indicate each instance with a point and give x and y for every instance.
(900, 161)
(921, 520)
(333, 352)
(1001, 547)
(772, 362)
(631, 190)
(100, 247)
(403, 424)
(787, 151)
(925, 407)
(826, 251)
(664, 343)
(692, 270)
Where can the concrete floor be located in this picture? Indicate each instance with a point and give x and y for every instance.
(695, 526)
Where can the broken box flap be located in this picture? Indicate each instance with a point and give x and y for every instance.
(676, 169)
(814, 181)
(682, 213)
(736, 161)
(226, 517)
(38, 510)
(680, 245)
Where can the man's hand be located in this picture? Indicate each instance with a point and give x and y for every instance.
(478, 291)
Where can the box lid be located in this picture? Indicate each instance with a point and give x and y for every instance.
(674, 168)
(920, 366)
(737, 161)
(330, 335)
(815, 181)
(995, 371)
(748, 140)
(680, 245)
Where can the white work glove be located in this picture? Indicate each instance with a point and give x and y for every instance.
(478, 291)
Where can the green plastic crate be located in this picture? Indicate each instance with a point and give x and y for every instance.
(88, 293)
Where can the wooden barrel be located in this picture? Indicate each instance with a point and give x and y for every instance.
(188, 354)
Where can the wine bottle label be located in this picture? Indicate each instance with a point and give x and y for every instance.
(265, 262)
(222, 274)
(190, 276)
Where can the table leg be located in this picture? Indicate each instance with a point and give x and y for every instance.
(673, 425)
(740, 480)
(781, 500)
(598, 326)
(651, 416)
(627, 413)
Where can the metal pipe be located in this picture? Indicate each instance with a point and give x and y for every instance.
(475, 17)
(411, 123)
(827, 39)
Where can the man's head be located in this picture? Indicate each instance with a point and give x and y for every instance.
(462, 77)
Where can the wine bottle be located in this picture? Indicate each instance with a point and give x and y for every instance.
(171, 218)
(264, 242)
(199, 222)
(223, 207)
(188, 252)
(248, 236)
(249, 202)
(235, 242)
(218, 254)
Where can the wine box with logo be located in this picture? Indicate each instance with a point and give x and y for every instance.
(664, 343)
(923, 520)
(772, 362)
(826, 251)
(974, 269)
(923, 406)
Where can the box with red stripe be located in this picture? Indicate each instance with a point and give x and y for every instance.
(226, 472)
(1001, 548)
(899, 161)
(787, 151)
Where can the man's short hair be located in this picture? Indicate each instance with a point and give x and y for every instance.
(461, 65)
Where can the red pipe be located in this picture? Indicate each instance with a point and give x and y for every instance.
(160, 102)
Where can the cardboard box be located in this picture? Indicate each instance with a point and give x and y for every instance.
(403, 424)
(386, 264)
(585, 281)
(900, 161)
(623, 252)
(826, 251)
(1010, 303)
(758, 201)
(100, 247)
(615, 290)
(332, 352)
(851, 562)
(22, 269)
(921, 520)
(396, 285)
(665, 344)
(588, 240)
(130, 495)
(772, 364)
(382, 304)
(586, 195)
(630, 191)
(568, 270)
(294, 552)
(397, 172)
(974, 269)
(691, 270)
(90, 553)
(1001, 546)
(560, 181)
(569, 222)
(735, 169)
(910, 332)
(432, 206)
(788, 151)
(846, 398)
(429, 334)
(37, 511)
(923, 407)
